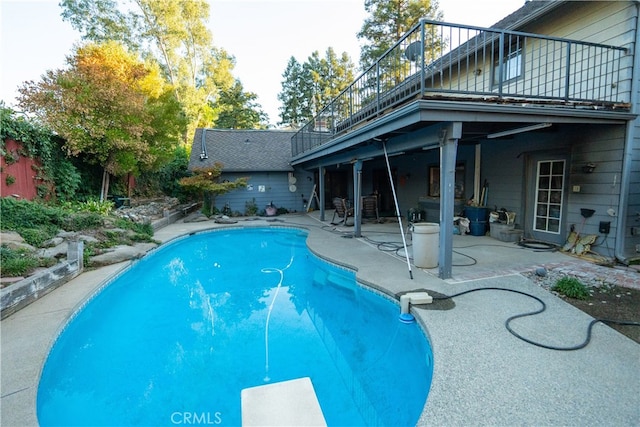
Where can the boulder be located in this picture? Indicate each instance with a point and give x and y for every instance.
(53, 242)
(121, 253)
(13, 240)
(58, 251)
(196, 217)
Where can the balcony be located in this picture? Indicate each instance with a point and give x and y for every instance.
(441, 61)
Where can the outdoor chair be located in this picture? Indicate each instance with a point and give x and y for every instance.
(342, 211)
(370, 207)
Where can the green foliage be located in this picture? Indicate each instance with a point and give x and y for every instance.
(250, 207)
(91, 205)
(165, 180)
(388, 21)
(572, 288)
(40, 143)
(83, 221)
(237, 109)
(18, 262)
(36, 236)
(10, 179)
(295, 107)
(138, 228)
(100, 106)
(309, 87)
(207, 180)
(21, 214)
(66, 178)
(172, 34)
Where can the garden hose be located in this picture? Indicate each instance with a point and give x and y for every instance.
(538, 311)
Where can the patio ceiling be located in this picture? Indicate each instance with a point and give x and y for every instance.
(418, 126)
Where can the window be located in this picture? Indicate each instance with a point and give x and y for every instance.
(549, 196)
(512, 66)
(434, 181)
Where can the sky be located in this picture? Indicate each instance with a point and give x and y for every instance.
(261, 34)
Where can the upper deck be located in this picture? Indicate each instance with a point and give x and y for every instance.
(442, 61)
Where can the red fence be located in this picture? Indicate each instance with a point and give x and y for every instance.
(19, 174)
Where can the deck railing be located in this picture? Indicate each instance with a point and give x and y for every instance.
(450, 61)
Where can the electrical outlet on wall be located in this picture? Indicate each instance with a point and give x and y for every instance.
(605, 227)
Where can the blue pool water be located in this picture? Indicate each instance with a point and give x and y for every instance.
(176, 337)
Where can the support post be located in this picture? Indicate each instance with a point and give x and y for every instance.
(357, 190)
(321, 191)
(448, 152)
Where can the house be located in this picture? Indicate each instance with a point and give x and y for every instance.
(262, 156)
(536, 116)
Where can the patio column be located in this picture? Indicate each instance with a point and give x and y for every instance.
(357, 184)
(448, 153)
(321, 191)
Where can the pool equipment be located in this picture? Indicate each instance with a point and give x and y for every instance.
(395, 199)
(412, 298)
(266, 326)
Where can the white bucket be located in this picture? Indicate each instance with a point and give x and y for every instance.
(426, 242)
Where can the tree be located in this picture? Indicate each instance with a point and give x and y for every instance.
(237, 109)
(310, 87)
(388, 21)
(328, 77)
(207, 181)
(109, 107)
(173, 33)
(295, 103)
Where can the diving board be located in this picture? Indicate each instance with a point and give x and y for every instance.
(286, 403)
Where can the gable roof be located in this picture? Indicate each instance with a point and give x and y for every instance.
(531, 10)
(242, 150)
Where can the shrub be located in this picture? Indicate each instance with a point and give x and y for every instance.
(37, 236)
(92, 205)
(19, 262)
(250, 207)
(83, 221)
(572, 288)
(20, 214)
(137, 227)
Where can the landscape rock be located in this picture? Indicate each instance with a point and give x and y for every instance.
(13, 240)
(58, 251)
(196, 217)
(121, 253)
(53, 242)
(87, 239)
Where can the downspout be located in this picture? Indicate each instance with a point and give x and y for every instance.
(627, 158)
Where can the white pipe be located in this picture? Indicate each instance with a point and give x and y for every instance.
(395, 199)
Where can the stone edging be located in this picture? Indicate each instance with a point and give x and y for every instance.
(20, 294)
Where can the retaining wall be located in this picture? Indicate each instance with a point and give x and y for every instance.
(22, 293)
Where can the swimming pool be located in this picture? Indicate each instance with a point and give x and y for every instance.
(176, 337)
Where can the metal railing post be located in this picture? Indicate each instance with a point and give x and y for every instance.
(377, 86)
(568, 71)
(423, 63)
(500, 63)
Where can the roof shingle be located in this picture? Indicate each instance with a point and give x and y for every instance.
(242, 150)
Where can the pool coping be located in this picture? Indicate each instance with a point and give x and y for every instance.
(482, 374)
